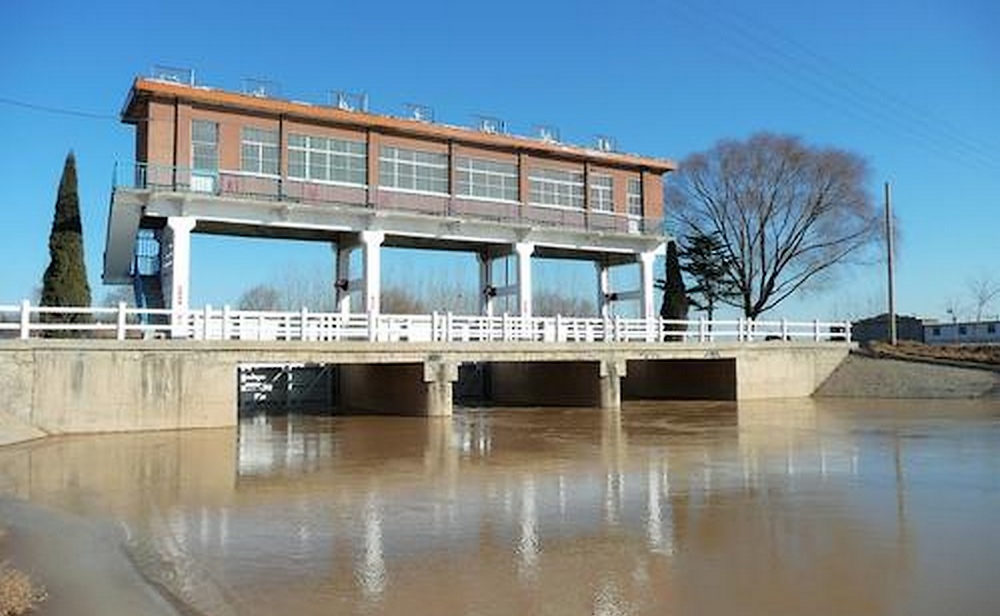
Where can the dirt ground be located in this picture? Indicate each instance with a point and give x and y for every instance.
(982, 354)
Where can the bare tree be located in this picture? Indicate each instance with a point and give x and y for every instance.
(983, 289)
(786, 213)
(260, 297)
(551, 303)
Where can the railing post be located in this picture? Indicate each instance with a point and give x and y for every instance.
(784, 329)
(434, 327)
(303, 317)
(559, 326)
(750, 326)
(815, 330)
(372, 327)
(506, 327)
(701, 329)
(739, 330)
(227, 326)
(848, 334)
(25, 319)
(120, 329)
(617, 329)
(204, 321)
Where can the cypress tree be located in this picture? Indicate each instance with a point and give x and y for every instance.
(675, 301)
(65, 280)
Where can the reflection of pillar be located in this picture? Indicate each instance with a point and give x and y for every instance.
(603, 288)
(371, 565)
(527, 547)
(371, 258)
(646, 309)
(175, 276)
(654, 519)
(523, 251)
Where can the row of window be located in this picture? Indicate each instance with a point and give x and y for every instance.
(329, 159)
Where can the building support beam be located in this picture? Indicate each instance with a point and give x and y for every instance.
(523, 250)
(371, 258)
(611, 374)
(487, 289)
(175, 273)
(647, 309)
(603, 288)
(342, 289)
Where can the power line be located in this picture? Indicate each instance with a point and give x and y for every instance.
(836, 88)
(58, 110)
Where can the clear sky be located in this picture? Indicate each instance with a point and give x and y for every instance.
(912, 86)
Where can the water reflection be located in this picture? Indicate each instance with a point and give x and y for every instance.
(703, 509)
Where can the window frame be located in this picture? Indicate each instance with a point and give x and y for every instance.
(310, 150)
(391, 166)
(196, 143)
(540, 186)
(260, 147)
(509, 180)
(599, 193)
(633, 198)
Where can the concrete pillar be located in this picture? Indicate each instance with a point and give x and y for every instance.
(603, 288)
(523, 251)
(612, 372)
(486, 300)
(440, 378)
(175, 273)
(646, 260)
(371, 257)
(342, 276)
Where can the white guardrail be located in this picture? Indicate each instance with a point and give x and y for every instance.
(24, 321)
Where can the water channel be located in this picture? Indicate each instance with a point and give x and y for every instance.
(792, 507)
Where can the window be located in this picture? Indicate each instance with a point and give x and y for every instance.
(601, 191)
(634, 197)
(204, 146)
(260, 151)
(327, 160)
(935, 331)
(962, 330)
(413, 170)
(556, 187)
(487, 179)
(991, 328)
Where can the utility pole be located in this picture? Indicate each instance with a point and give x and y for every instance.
(889, 261)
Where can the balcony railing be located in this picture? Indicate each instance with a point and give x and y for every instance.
(239, 185)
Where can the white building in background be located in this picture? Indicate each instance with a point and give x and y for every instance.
(980, 332)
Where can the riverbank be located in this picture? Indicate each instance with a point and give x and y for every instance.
(81, 565)
(885, 373)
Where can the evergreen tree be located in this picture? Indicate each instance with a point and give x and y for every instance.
(65, 279)
(703, 257)
(675, 301)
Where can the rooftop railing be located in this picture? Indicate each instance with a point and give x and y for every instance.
(240, 185)
(25, 321)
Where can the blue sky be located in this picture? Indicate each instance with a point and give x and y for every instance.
(912, 86)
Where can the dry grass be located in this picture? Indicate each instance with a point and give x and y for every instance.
(977, 354)
(18, 593)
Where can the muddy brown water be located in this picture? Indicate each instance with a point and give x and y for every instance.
(793, 507)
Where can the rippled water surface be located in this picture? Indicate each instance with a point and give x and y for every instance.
(773, 508)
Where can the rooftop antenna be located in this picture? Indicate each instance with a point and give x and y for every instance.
(548, 133)
(349, 101)
(418, 112)
(605, 143)
(261, 88)
(491, 125)
(173, 74)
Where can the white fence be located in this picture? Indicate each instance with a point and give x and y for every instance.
(24, 321)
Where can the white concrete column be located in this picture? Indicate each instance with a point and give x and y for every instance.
(603, 288)
(486, 300)
(342, 276)
(523, 251)
(371, 257)
(646, 261)
(176, 264)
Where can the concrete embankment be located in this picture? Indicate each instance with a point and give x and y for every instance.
(860, 376)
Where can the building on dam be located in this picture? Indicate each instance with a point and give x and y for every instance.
(249, 163)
